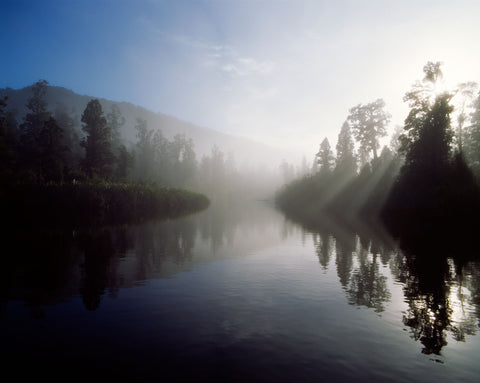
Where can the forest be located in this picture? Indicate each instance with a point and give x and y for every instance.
(51, 173)
(57, 165)
(426, 181)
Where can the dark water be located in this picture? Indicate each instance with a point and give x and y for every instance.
(243, 296)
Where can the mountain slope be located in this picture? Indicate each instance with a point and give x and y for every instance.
(245, 151)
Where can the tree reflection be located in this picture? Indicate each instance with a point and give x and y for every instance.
(98, 253)
(441, 279)
(440, 286)
(44, 267)
(323, 247)
(368, 286)
(344, 249)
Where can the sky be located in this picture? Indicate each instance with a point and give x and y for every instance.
(284, 73)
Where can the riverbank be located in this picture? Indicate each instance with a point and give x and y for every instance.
(79, 204)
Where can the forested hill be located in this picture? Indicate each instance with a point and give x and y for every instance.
(243, 149)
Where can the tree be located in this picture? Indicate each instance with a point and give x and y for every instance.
(32, 126)
(52, 151)
(325, 156)
(432, 148)
(420, 100)
(98, 158)
(42, 149)
(433, 187)
(368, 123)
(188, 165)
(67, 121)
(8, 142)
(148, 152)
(345, 162)
(467, 93)
(472, 142)
(115, 121)
(125, 161)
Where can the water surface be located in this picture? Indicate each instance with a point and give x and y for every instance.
(237, 294)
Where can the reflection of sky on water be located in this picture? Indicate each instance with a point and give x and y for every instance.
(251, 288)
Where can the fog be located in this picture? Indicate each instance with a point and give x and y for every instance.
(281, 73)
(240, 191)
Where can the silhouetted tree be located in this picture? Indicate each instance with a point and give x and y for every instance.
(42, 149)
(368, 123)
(52, 151)
(32, 126)
(467, 92)
(345, 163)
(8, 143)
(420, 100)
(472, 142)
(99, 157)
(432, 186)
(325, 156)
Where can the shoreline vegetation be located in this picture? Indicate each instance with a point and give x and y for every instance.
(423, 187)
(95, 204)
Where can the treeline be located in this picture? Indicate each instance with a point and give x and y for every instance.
(53, 166)
(428, 173)
(353, 182)
(52, 143)
(86, 204)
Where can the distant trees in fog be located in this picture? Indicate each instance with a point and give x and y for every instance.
(64, 147)
(427, 169)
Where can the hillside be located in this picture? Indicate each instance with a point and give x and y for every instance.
(245, 151)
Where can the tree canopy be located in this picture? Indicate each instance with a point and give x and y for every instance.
(99, 157)
(368, 123)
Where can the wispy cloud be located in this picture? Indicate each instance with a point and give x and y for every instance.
(222, 57)
(225, 57)
(244, 66)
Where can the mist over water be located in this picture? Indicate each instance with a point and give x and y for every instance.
(236, 294)
(240, 191)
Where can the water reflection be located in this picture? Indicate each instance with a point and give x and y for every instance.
(441, 292)
(47, 268)
(441, 281)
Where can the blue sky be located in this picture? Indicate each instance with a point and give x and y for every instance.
(281, 72)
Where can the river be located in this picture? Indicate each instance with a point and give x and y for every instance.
(235, 294)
